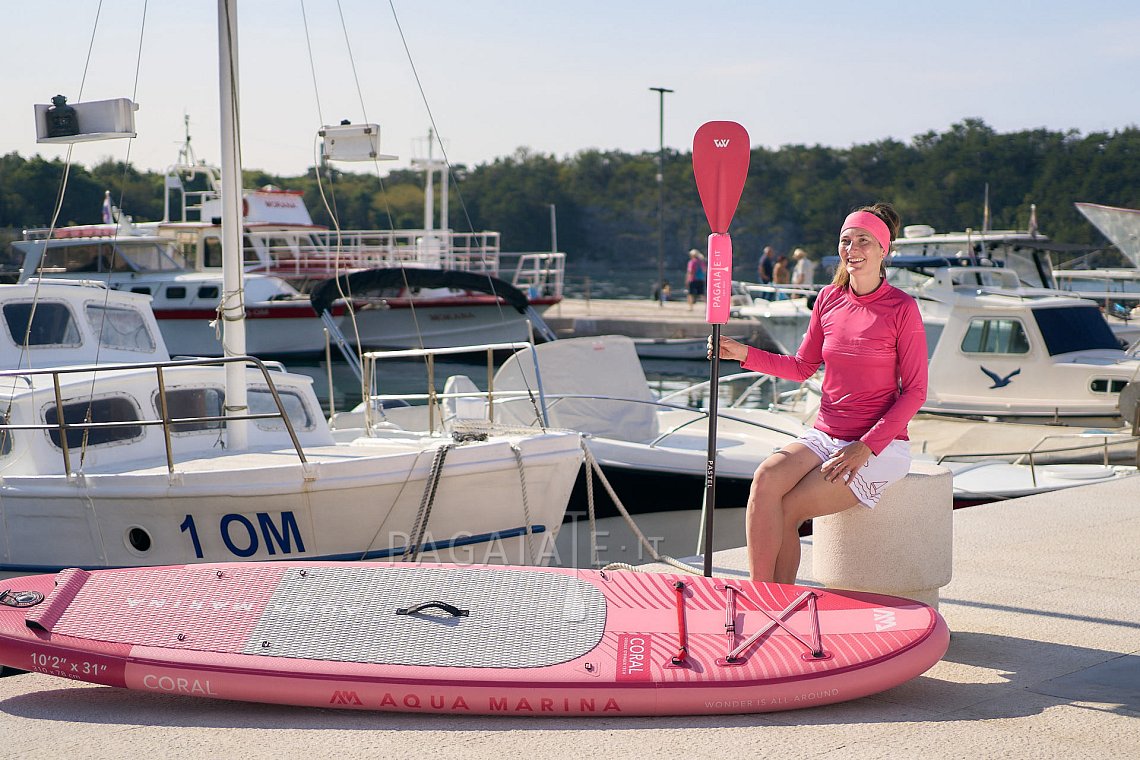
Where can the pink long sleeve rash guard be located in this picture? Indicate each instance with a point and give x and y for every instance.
(874, 347)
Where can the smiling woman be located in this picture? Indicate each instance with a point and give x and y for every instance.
(871, 336)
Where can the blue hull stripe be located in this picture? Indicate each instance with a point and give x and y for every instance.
(481, 538)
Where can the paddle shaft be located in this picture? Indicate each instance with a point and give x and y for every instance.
(710, 468)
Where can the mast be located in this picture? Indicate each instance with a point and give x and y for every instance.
(232, 309)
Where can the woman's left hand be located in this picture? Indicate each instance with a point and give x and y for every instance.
(848, 461)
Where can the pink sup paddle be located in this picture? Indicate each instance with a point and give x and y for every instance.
(720, 165)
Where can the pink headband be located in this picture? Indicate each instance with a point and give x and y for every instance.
(865, 220)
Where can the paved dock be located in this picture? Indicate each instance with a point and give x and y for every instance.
(1044, 662)
(646, 319)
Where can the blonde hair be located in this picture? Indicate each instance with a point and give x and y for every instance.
(890, 217)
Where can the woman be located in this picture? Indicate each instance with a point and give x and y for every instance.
(870, 335)
(695, 277)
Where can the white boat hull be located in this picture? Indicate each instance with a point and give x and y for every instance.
(266, 505)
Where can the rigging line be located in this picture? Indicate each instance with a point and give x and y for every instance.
(439, 139)
(363, 110)
(102, 324)
(59, 198)
(431, 117)
(312, 64)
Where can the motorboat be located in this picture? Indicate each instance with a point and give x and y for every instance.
(279, 238)
(112, 455)
(51, 323)
(378, 317)
(1017, 354)
(280, 320)
(784, 310)
(652, 451)
(1027, 254)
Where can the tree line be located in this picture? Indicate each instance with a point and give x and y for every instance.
(606, 202)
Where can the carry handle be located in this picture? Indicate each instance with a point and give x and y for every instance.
(448, 608)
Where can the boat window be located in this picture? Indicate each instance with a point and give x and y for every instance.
(88, 257)
(995, 336)
(52, 324)
(141, 289)
(120, 328)
(175, 292)
(212, 252)
(1102, 385)
(1074, 328)
(184, 403)
(146, 256)
(112, 409)
(261, 402)
(208, 291)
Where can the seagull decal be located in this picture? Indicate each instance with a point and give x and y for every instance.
(999, 381)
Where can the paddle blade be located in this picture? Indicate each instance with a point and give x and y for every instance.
(720, 164)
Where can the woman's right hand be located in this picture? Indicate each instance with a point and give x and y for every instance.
(729, 349)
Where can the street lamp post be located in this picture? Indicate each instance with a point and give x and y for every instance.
(661, 196)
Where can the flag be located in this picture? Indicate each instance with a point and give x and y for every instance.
(107, 207)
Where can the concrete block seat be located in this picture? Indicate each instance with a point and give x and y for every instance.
(903, 547)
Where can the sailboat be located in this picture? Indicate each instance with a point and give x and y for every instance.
(204, 460)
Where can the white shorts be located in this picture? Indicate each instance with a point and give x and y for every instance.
(882, 469)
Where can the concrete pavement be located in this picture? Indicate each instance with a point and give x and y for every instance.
(1044, 662)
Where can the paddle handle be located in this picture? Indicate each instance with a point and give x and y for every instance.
(718, 296)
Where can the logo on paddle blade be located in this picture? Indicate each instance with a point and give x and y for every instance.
(722, 143)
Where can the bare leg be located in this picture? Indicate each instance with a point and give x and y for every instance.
(764, 519)
(812, 496)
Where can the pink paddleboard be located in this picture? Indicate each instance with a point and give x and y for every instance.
(466, 639)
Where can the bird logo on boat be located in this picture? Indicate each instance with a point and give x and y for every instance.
(999, 381)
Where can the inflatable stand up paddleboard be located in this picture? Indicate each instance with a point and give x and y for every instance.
(465, 639)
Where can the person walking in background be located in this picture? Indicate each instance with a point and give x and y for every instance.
(695, 272)
(767, 263)
(781, 275)
(870, 335)
(803, 273)
(764, 269)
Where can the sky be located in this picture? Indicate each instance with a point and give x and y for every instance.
(556, 78)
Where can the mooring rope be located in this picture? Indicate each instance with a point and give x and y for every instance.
(412, 550)
(596, 469)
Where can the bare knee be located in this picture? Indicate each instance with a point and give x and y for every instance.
(769, 481)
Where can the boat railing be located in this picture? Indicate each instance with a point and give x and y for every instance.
(539, 275)
(757, 388)
(543, 400)
(166, 422)
(371, 361)
(1102, 441)
(370, 249)
(778, 291)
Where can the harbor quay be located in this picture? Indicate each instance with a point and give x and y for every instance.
(1044, 662)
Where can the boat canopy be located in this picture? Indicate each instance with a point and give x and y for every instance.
(359, 284)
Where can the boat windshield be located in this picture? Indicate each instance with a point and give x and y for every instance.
(1074, 328)
(104, 256)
